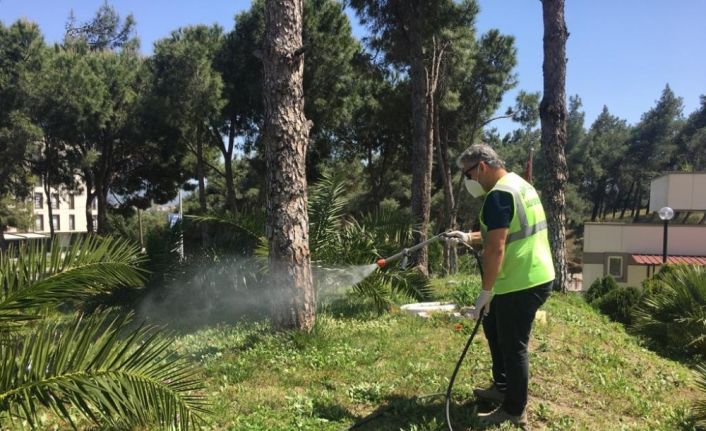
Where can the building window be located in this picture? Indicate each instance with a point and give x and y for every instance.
(55, 221)
(55, 201)
(38, 201)
(72, 202)
(38, 223)
(615, 266)
(72, 222)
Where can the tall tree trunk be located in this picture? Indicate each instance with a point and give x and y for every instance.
(597, 201)
(636, 206)
(617, 200)
(201, 174)
(634, 198)
(228, 162)
(442, 146)
(47, 193)
(103, 180)
(553, 114)
(3, 241)
(90, 195)
(102, 201)
(286, 138)
(626, 200)
(421, 150)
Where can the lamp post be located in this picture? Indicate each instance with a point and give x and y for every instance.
(665, 214)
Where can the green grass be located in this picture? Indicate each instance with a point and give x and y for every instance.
(586, 373)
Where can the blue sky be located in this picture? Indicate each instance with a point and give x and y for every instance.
(621, 52)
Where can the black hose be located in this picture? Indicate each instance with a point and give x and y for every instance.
(453, 375)
(381, 410)
(468, 344)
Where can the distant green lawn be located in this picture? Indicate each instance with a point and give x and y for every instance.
(586, 373)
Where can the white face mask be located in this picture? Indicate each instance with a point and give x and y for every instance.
(474, 188)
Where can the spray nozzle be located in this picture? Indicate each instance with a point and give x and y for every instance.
(406, 253)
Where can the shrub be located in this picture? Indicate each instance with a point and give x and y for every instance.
(466, 293)
(618, 303)
(673, 315)
(599, 288)
(700, 405)
(654, 283)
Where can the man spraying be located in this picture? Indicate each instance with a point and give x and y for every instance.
(518, 274)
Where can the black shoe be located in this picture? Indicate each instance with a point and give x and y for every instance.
(491, 394)
(498, 416)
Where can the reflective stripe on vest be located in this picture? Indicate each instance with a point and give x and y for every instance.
(525, 229)
(527, 261)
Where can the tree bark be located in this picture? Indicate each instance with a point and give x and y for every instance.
(228, 162)
(553, 115)
(47, 192)
(442, 146)
(102, 201)
(636, 206)
(3, 242)
(201, 174)
(89, 201)
(597, 201)
(605, 209)
(286, 138)
(421, 150)
(626, 199)
(102, 184)
(425, 82)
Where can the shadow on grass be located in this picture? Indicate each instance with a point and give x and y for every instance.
(251, 340)
(423, 413)
(332, 411)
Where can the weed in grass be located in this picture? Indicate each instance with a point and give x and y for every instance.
(365, 392)
(543, 412)
(563, 423)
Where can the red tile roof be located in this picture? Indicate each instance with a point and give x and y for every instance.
(656, 259)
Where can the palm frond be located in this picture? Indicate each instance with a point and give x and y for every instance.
(88, 368)
(410, 283)
(326, 203)
(388, 226)
(378, 292)
(700, 405)
(37, 275)
(675, 313)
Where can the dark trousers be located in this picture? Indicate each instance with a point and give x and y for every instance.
(507, 328)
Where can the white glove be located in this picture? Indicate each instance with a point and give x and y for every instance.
(482, 304)
(456, 237)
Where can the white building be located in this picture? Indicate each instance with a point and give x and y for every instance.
(632, 252)
(68, 214)
(68, 211)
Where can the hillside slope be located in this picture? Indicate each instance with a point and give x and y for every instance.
(587, 374)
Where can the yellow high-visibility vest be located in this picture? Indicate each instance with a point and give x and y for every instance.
(528, 257)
